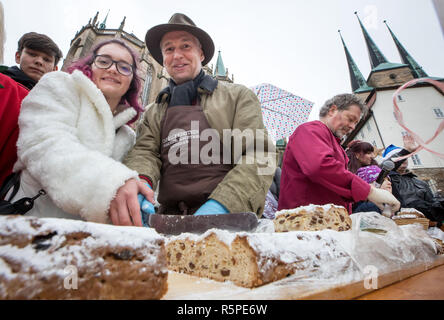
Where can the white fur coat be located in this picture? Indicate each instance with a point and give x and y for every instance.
(71, 146)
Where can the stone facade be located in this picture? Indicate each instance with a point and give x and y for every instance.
(434, 177)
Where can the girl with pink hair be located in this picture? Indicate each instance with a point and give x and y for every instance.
(74, 135)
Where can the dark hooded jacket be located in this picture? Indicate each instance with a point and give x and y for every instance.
(415, 193)
(16, 74)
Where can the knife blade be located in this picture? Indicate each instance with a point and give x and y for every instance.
(177, 224)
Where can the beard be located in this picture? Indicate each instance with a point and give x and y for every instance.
(340, 133)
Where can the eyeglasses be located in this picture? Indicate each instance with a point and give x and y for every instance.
(105, 62)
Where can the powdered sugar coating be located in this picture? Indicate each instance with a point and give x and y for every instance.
(309, 208)
(404, 216)
(53, 259)
(410, 210)
(309, 249)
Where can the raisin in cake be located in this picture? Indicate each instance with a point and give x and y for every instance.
(253, 259)
(313, 218)
(69, 259)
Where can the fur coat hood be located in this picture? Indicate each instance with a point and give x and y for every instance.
(71, 146)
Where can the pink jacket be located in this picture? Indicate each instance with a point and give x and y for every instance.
(314, 170)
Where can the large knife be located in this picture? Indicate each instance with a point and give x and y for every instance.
(177, 224)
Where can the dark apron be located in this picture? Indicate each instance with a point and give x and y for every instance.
(185, 186)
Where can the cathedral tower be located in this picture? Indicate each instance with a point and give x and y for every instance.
(383, 73)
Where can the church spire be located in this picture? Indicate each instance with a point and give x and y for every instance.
(220, 70)
(375, 55)
(95, 18)
(103, 24)
(122, 24)
(358, 82)
(406, 58)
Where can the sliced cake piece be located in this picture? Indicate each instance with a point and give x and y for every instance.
(313, 218)
(252, 259)
(70, 259)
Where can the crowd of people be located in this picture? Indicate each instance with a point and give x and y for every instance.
(410, 191)
(66, 144)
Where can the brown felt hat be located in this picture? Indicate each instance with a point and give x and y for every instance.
(178, 22)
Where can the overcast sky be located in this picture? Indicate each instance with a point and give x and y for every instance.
(293, 44)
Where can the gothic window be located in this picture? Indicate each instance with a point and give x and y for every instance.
(147, 86)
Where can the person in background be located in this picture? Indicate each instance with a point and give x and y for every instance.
(369, 174)
(73, 135)
(272, 197)
(205, 187)
(360, 154)
(315, 165)
(362, 163)
(392, 152)
(11, 96)
(415, 193)
(2, 32)
(36, 55)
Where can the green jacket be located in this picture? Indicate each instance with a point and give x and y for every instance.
(228, 106)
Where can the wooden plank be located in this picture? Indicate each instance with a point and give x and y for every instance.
(423, 286)
(182, 286)
(353, 290)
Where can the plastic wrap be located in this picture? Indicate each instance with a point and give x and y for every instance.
(377, 241)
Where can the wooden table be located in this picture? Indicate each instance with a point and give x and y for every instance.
(416, 282)
(428, 285)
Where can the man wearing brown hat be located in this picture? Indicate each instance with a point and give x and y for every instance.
(191, 108)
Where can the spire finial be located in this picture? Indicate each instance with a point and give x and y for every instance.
(358, 82)
(122, 24)
(103, 24)
(406, 58)
(95, 18)
(375, 55)
(220, 68)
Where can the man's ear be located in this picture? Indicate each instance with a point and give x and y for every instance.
(333, 110)
(17, 57)
(55, 68)
(202, 56)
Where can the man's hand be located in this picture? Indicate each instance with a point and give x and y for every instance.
(125, 209)
(409, 143)
(387, 185)
(381, 197)
(211, 207)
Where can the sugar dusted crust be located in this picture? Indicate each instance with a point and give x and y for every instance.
(409, 213)
(251, 259)
(313, 218)
(405, 216)
(41, 258)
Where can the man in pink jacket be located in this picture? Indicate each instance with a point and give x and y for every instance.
(314, 169)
